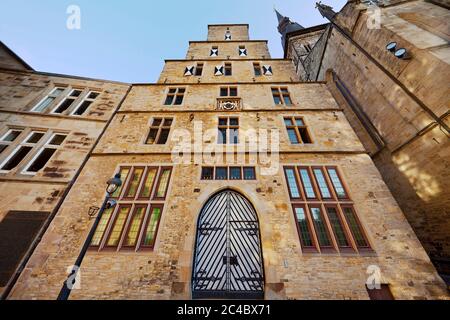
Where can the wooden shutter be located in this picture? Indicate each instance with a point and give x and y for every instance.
(18, 230)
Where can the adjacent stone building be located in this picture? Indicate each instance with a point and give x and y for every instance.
(238, 182)
(49, 124)
(387, 65)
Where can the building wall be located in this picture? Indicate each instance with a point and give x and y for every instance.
(402, 100)
(19, 93)
(255, 49)
(290, 273)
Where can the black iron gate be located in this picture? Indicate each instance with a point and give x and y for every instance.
(228, 261)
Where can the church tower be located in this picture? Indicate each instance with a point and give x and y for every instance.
(238, 182)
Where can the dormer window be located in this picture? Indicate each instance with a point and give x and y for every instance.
(242, 51)
(214, 52)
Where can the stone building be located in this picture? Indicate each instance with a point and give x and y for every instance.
(387, 65)
(238, 181)
(49, 124)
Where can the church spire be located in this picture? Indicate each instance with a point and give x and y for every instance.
(285, 26)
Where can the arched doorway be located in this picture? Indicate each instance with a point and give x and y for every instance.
(228, 259)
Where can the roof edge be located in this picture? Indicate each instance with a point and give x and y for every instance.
(19, 59)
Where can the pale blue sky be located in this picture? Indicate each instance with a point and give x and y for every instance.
(129, 40)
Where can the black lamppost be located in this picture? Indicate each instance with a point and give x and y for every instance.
(112, 185)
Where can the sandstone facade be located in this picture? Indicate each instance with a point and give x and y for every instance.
(165, 271)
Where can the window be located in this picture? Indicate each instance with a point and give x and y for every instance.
(249, 173)
(257, 69)
(235, 173)
(221, 173)
(228, 173)
(228, 91)
(228, 36)
(44, 154)
(281, 96)
(175, 96)
(21, 151)
(297, 131)
(207, 173)
(67, 102)
(133, 223)
(199, 69)
(48, 100)
(8, 138)
(228, 130)
(228, 69)
(18, 231)
(159, 131)
(308, 48)
(267, 70)
(325, 221)
(214, 52)
(242, 51)
(85, 103)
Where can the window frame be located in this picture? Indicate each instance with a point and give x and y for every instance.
(147, 219)
(338, 204)
(49, 95)
(110, 227)
(18, 146)
(323, 248)
(40, 150)
(282, 95)
(128, 226)
(311, 230)
(228, 68)
(257, 66)
(7, 144)
(139, 195)
(175, 95)
(249, 168)
(300, 191)
(228, 130)
(344, 225)
(133, 204)
(324, 174)
(161, 170)
(344, 186)
(160, 128)
(296, 129)
(64, 99)
(83, 100)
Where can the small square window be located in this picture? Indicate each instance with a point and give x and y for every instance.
(235, 173)
(221, 173)
(207, 173)
(249, 173)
